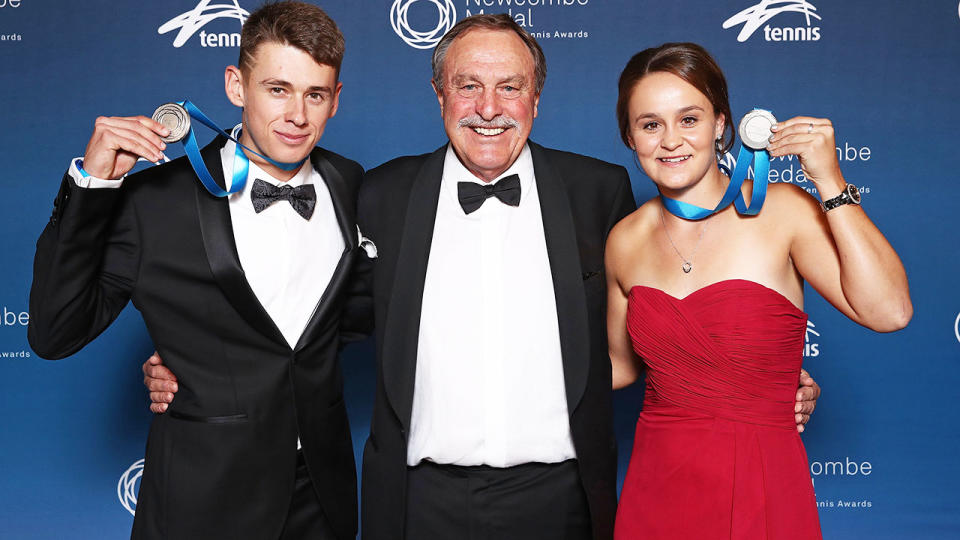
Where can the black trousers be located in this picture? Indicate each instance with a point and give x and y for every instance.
(525, 502)
(305, 518)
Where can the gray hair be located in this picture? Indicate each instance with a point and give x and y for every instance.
(500, 21)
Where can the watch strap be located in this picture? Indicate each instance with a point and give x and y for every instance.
(841, 199)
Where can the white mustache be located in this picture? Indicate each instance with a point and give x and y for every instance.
(476, 121)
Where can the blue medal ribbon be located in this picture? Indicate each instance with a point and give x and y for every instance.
(761, 171)
(241, 163)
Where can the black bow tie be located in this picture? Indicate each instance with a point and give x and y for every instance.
(302, 198)
(472, 195)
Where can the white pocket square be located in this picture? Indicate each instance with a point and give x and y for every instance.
(367, 244)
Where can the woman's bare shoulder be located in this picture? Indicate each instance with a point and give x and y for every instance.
(634, 224)
(630, 232)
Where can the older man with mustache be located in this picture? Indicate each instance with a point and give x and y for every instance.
(493, 414)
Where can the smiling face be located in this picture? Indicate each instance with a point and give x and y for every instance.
(488, 99)
(287, 99)
(672, 129)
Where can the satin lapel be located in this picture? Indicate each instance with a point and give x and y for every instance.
(564, 256)
(221, 248)
(347, 219)
(402, 327)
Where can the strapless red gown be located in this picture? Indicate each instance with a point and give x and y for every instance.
(716, 453)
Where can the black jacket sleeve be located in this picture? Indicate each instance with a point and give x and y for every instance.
(85, 268)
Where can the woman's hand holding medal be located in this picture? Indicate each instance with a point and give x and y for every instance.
(812, 140)
(117, 143)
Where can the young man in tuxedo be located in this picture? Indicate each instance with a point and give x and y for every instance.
(243, 296)
(492, 415)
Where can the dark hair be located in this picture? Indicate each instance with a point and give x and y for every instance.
(298, 24)
(690, 62)
(500, 21)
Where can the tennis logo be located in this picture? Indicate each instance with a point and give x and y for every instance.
(758, 14)
(128, 486)
(190, 22)
(424, 38)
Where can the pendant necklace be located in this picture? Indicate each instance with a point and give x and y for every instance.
(687, 264)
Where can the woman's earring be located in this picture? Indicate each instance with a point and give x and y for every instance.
(721, 155)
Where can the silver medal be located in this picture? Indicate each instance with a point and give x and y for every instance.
(755, 129)
(175, 118)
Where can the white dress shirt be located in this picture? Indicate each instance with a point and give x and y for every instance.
(489, 386)
(287, 260)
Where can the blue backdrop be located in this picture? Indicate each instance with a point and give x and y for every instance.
(884, 439)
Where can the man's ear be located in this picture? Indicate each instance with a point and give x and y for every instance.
(433, 83)
(233, 85)
(336, 99)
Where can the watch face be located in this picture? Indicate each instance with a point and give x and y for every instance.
(853, 193)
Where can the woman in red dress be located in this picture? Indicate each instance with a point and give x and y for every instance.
(712, 308)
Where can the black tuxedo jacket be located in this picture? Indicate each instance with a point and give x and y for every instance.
(220, 462)
(580, 199)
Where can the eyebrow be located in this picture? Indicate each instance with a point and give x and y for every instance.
(515, 79)
(690, 108)
(286, 84)
(679, 112)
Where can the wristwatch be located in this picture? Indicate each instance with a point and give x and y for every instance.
(849, 195)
